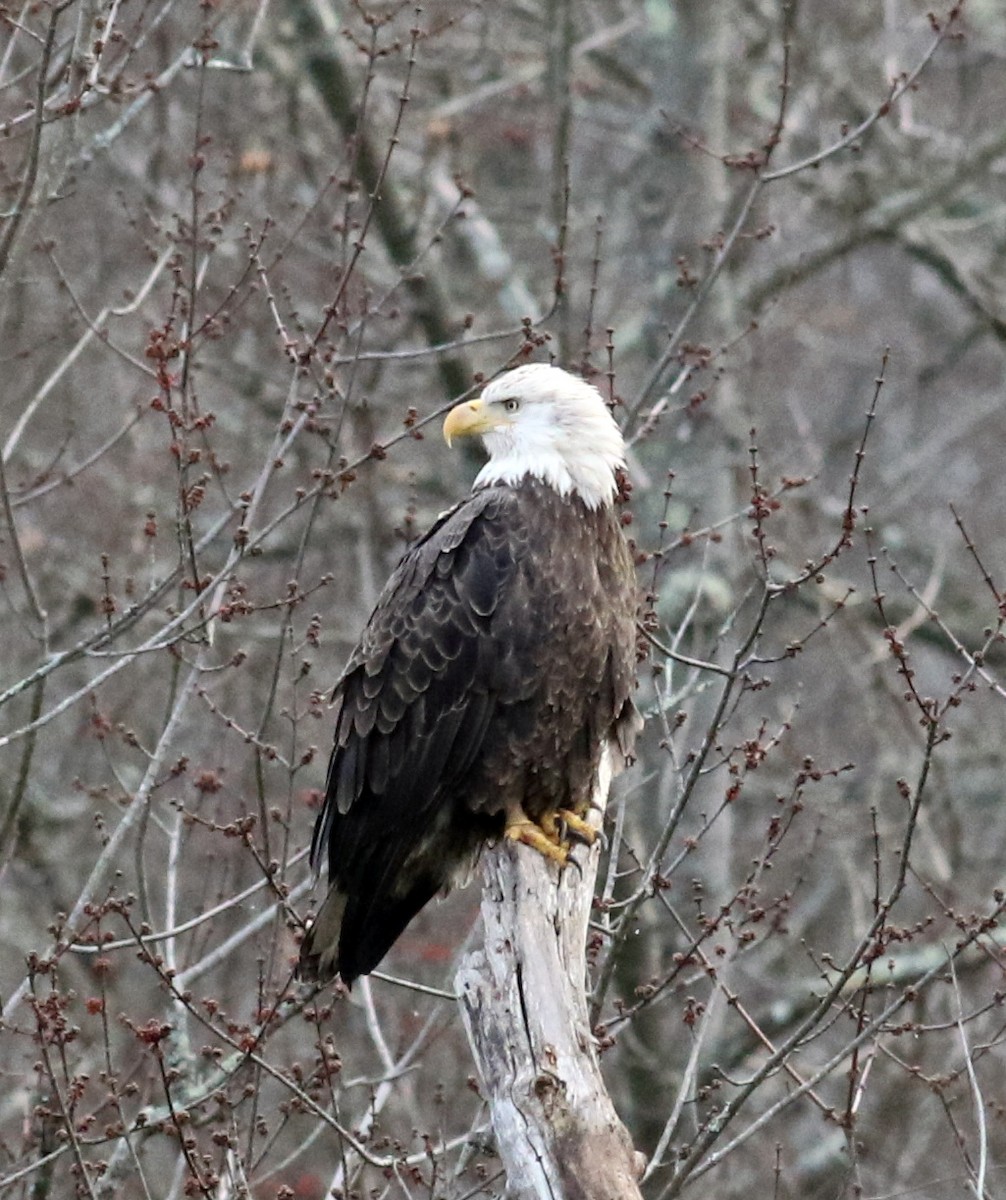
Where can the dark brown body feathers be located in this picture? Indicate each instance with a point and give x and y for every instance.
(496, 666)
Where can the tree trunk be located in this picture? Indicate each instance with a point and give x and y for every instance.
(523, 1001)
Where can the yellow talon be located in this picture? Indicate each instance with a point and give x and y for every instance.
(576, 827)
(520, 828)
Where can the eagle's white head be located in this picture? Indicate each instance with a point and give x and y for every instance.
(541, 421)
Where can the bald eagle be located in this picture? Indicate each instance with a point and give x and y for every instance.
(494, 675)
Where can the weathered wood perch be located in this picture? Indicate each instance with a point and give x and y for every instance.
(523, 1001)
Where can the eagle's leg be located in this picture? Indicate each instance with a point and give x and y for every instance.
(544, 838)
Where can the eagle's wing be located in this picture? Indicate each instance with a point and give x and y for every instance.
(412, 709)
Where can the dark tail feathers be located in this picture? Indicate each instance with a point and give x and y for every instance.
(351, 934)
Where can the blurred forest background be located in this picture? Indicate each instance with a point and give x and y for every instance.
(249, 254)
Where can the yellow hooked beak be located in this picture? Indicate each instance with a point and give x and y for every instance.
(469, 418)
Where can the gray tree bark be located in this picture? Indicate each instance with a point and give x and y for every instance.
(524, 1005)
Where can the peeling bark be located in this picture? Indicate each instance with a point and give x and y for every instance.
(523, 1001)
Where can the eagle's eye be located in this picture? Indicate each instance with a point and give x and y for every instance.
(511, 404)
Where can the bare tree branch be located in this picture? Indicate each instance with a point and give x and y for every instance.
(523, 1000)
